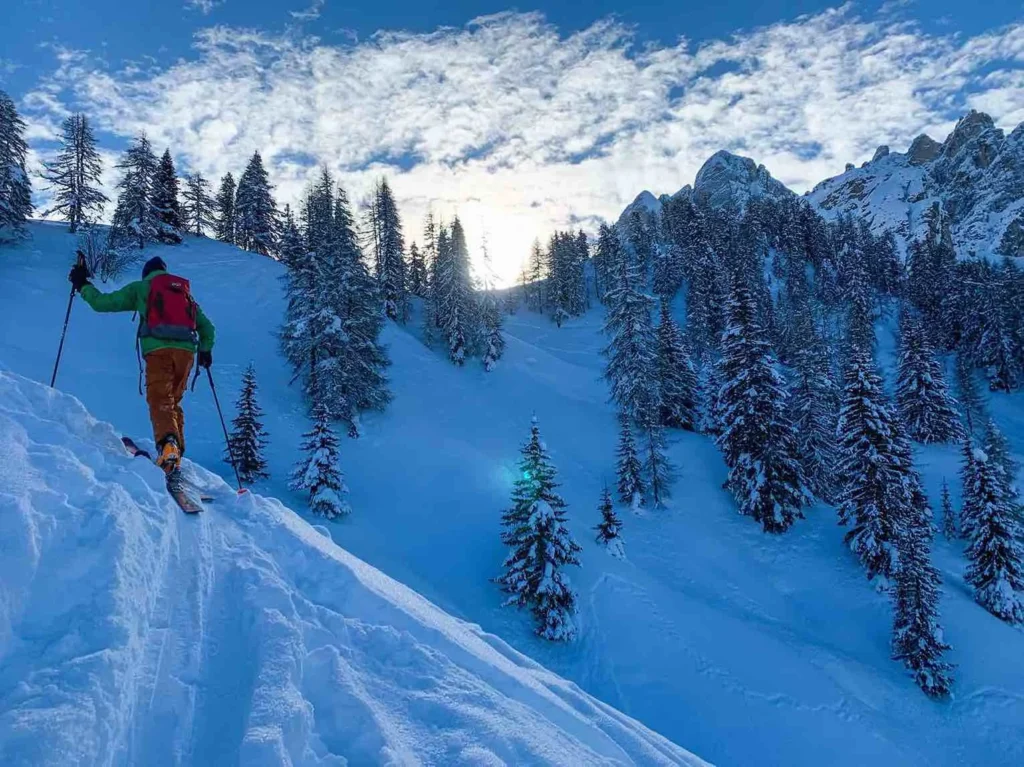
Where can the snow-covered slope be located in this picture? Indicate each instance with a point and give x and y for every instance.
(745, 648)
(132, 634)
(974, 179)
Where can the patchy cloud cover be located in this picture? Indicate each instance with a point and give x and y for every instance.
(520, 129)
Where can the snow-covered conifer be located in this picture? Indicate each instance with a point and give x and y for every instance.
(541, 545)
(658, 470)
(197, 208)
(135, 223)
(248, 438)
(224, 205)
(388, 246)
(15, 187)
(319, 472)
(494, 340)
(949, 526)
(74, 175)
(630, 471)
(676, 376)
(164, 198)
(609, 530)
(925, 405)
(256, 222)
(417, 272)
(756, 439)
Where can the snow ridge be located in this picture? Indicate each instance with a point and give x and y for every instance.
(132, 634)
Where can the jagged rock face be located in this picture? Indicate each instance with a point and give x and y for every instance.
(974, 179)
(727, 180)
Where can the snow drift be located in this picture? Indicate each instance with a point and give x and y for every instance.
(132, 634)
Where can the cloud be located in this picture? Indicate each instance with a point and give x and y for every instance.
(520, 129)
(203, 6)
(313, 12)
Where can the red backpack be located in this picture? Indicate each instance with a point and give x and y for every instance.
(170, 310)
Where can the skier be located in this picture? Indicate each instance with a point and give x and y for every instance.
(172, 328)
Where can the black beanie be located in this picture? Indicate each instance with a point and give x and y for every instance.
(155, 264)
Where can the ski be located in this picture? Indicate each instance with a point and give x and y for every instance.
(177, 486)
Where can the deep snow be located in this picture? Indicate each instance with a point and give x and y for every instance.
(744, 648)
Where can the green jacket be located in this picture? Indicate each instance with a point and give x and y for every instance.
(132, 298)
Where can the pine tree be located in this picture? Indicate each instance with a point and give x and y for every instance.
(164, 198)
(494, 341)
(135, 223)
(924, 402)
(74, 175)
(319, 473)
(812, 411)
(417, 272)
(541, 545)
(875, 478)
(631, 369)
(292, 247)
(454, 311)
(657, 468)
(248, 438)
(990, 522)
(256, 222)
(972, 404)
(630, 470)
(676, 375)
(388, 246)
(917, 638)
(198, 207)
(948, 515)
(15, 187)
(224, 229)
(609, 531)
(757, 439)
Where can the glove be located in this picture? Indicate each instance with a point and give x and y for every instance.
(205, 359)
(79, 277)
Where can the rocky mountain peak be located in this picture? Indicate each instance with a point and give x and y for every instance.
(968, 129)
(923, 149)
(728, 179)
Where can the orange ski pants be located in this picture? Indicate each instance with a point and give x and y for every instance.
(167, 373)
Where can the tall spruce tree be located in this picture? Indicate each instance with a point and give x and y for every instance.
(319, 473)
(388, 246)
(928, 410)
(454, 311)
(991, 524)
(417, 272)
(676, 376)
(224, 205)
(164, 198)
(197, 208)
(256, 221)
(917, 638)
(812, 411)
(74, 175)
(609, 530)
(631, 368)
(135, 223)
(494, 340)
(541, 545)
(658, 470)
(757, 439)
(15, 187)
(248, 439)
(877, 486)
(630, 471)
(972, 404)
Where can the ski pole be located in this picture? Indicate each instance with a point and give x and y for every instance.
(227, 439)
(64, 332)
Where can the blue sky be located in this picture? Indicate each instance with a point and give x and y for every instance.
(529, 118)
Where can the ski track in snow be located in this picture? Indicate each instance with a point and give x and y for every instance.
(745, 648)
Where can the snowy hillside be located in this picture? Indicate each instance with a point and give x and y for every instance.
(132, 634)
(745, 648)
(975, 178)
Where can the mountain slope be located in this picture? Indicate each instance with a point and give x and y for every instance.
(974, 181)
(132, 634)
(744, 647)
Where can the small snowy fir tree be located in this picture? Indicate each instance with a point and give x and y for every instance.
(224, 207)
(318, 473)
(541, 546)
(658, 470)
(15, 187)
(165, 200)
(248, 438)
(676, 376)
(135, 223)
(74, 175)
(925, 404)
(256, 222)
(494, 339)
(630, 470)
(609, 531)
(949, 530)
(197, 207)
(917, 636)
(757, 439)
(990, 522)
